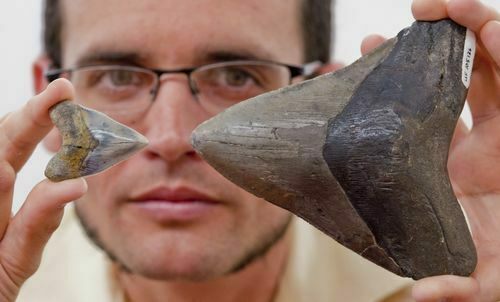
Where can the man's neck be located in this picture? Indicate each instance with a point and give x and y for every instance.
(258, 281)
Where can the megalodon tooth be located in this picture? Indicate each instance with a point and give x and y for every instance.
(91, 142)
(361, 153)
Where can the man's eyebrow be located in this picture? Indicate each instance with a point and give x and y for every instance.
(222, 56)
(120, 58)
(136, 59)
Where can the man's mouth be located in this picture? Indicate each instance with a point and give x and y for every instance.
(168, 205)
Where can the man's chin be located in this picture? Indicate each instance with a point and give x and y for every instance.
(198, 267)
(181, 260)
(170, 274)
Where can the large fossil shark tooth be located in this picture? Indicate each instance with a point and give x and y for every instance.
(91, 142)
(361, 153)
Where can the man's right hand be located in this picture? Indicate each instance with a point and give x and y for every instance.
(24, 235)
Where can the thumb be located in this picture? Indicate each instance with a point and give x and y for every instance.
(444, 288)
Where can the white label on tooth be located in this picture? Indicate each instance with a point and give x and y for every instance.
(468, 60)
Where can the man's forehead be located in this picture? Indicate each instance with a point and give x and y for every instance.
(110, 6)
(159, 26)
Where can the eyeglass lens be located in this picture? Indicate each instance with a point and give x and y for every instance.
(124, 93)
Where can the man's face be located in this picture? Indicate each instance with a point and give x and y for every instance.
(165, 213)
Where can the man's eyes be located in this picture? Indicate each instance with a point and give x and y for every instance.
(123, 77)
(235, 77)
(114, 78)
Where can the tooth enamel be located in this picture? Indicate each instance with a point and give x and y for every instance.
(92, 142)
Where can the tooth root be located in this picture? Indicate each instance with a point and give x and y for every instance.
(361, 153)
(91, 142)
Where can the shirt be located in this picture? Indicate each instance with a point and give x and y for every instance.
(318, 269)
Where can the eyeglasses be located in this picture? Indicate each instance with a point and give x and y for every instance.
(126, 92)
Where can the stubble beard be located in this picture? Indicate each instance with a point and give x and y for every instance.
(254, 253)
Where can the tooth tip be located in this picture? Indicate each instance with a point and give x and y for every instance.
(142, 141)
(201, 134)
(197, 140)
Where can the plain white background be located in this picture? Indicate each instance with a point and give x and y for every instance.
(20, 36)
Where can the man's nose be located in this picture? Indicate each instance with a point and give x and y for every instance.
(171, 119)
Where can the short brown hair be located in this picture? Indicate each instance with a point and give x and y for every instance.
(316, 19)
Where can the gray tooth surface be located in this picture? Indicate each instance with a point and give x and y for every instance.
(272, 147)
(92, 142)
(361, 153)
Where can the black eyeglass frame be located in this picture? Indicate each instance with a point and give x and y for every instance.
(307, 70)
(295, 70)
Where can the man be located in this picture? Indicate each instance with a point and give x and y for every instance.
(175, 229)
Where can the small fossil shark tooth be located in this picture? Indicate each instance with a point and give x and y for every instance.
(361, 153)
(91, 142)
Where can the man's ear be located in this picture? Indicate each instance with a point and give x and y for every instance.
(52, 142)
(40, 66)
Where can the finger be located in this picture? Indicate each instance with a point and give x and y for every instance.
(371, 42)
(32, 226)
(429, 10)
(461, 132)
(441, 288)
(330, 67)
(22, 130)
(4, 117)
(472, 14)
(482, 211)
(7, 180)
(490, 36)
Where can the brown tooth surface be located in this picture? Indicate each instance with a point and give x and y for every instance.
(91, 142)
(77, 142)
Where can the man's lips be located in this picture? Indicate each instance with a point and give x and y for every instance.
(180, 204)
(173, 195)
